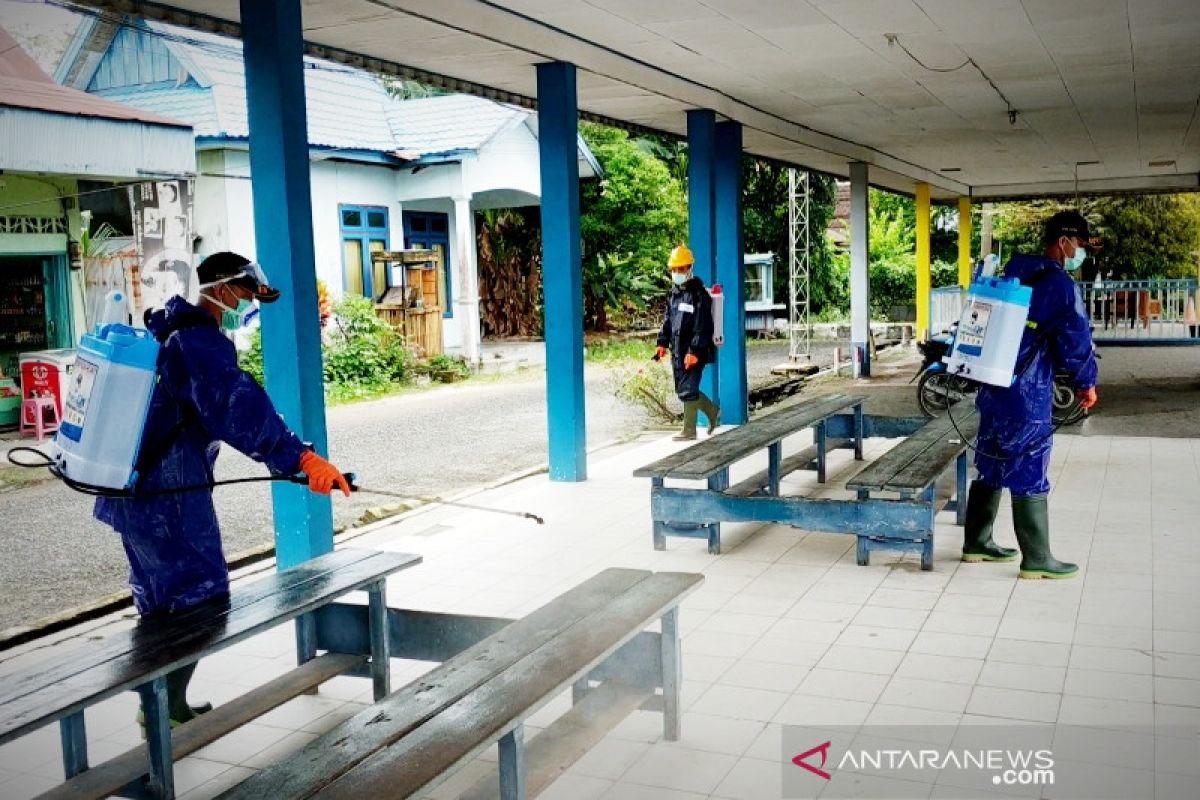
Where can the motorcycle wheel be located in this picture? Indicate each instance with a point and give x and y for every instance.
(1065, 411)
(937, 390)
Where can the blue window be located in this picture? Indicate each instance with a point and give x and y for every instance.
(428, 231)
(364, 231)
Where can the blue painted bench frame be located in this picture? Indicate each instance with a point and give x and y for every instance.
(904, 523)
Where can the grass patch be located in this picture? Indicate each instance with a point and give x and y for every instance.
(615, 351)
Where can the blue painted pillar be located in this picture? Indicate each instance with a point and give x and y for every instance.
(562, 274)
(273, 52)
(734, 390)
(702, 145)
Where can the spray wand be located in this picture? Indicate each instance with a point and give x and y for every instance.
(44, 460)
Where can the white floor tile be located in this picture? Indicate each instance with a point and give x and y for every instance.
(678, 769)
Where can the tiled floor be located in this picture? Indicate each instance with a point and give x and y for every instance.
(787, 630)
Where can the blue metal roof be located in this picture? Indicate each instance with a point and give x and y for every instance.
(348, 109)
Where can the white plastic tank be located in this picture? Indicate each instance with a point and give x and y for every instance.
(990, 331)
(106, 405)
(718, 314)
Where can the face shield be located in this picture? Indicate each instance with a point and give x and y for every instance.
(252, 277)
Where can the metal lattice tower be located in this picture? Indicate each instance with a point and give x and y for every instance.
(799, 267)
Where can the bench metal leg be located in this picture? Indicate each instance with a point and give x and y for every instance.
(928, 496)
(306, 638)
(158, 738)
(716, 483)
(74, 744)
(579, 690)
(858, 432)
(863, 553)
(821, 438)
(381, 673)
(512, 764)
(660, 529)
(774, 456)
(672, 675)
(960, 492)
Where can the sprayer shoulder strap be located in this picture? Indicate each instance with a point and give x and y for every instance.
(1041, 337)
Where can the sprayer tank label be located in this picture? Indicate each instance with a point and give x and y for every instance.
(75, 408)
(971, 332)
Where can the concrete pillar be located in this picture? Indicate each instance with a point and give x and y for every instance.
(860, 273)
(924, 281)
(702, 145)
(273, 50)
(562, 275)
(467, 302)
(733, 387)
(965, 267)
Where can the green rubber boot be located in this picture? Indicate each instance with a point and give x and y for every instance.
(982, 504)
(690, 410)
(1031, 518)
(711, 410)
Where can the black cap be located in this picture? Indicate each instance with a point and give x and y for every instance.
(1067, 223)
(238, 271)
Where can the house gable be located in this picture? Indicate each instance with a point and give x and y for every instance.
(135, 57)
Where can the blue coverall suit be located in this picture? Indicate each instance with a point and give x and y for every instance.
(1015, 425)
(202, 398)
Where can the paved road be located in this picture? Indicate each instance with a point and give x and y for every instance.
(434, 442)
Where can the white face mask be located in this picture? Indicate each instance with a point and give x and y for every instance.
(680, 278)
(1074, 262)
(236, 319)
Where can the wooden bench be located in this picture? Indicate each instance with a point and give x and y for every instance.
(139, 659)
(711, 459)
(590, 639)
(911, 470)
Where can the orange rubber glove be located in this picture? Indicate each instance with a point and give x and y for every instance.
(1088, 398)
(690, 361)
(322, 476)
(660, 353)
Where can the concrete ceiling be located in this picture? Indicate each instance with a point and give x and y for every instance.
(1106, 92)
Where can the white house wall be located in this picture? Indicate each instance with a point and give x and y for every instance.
(225, 207)
(508, 164)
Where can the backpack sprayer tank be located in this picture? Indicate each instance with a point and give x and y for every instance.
(718, 314)
(990, 331)
(106, 404)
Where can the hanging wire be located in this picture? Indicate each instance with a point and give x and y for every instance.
(1012, 112)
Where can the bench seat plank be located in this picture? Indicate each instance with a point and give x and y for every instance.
(920, 459)
(82, 659)
(468, 726)
(359, 737)
(709, 457)
(113, 775)
(152, 650)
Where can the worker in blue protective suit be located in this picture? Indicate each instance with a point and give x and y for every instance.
(1015, 427)
(688, 331)
(202, 398)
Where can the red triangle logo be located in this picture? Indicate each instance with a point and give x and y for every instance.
(823, 749)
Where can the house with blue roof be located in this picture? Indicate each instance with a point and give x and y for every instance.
(387, 173)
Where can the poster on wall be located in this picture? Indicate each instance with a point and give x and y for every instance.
(162, 226)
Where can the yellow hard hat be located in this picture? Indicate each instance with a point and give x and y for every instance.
(681, 257)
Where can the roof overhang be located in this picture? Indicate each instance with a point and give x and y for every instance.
(1105, 92)
(69, 144)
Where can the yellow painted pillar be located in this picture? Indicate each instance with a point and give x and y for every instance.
(964, 242)
(923, 273)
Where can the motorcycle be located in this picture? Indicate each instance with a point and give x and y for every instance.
(938, 390)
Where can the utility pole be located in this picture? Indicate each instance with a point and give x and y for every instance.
(985, 231)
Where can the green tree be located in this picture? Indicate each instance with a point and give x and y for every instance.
(629, 221)
(1135, 236)
(765, 215)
